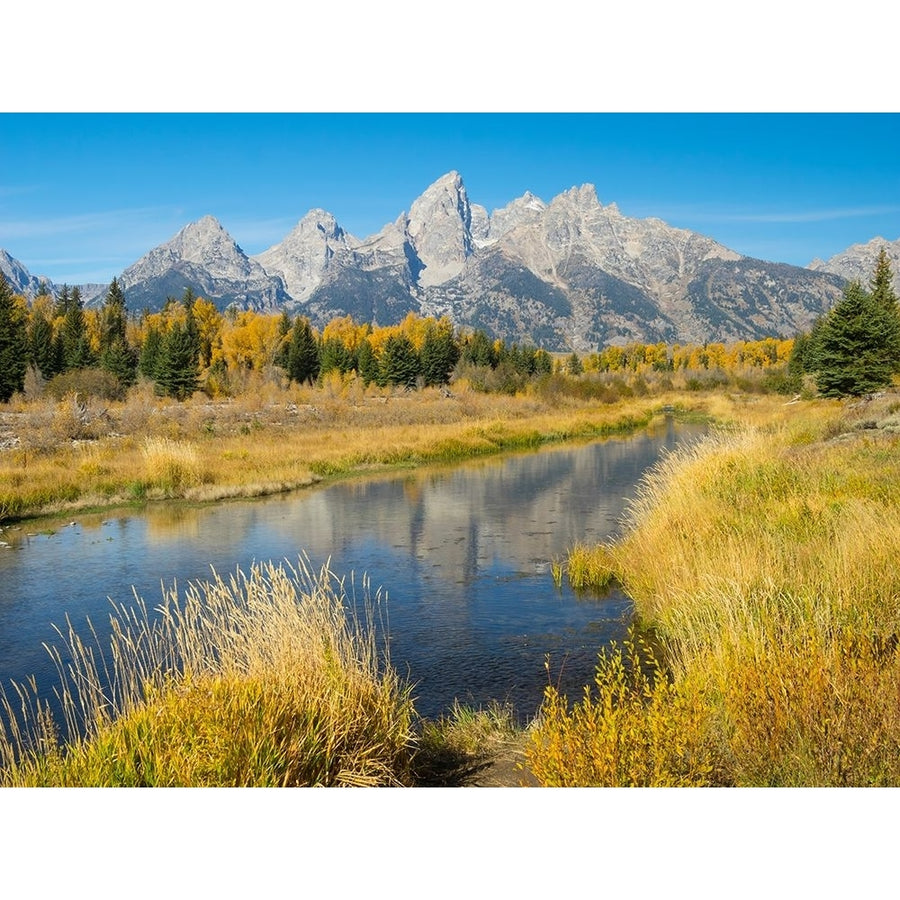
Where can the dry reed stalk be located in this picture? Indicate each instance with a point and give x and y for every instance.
(273, 677)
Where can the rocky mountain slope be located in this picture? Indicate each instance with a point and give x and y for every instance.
(204, 257)
(18, 277)
(570, 273)
(857, 263)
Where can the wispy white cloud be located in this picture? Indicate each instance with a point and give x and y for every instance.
(46, 227)
(815, 215)
(785, 217)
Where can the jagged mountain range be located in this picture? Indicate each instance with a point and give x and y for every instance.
(568, 274)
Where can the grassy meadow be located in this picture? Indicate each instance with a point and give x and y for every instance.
(71, 454)
(761, 562)
(763, 566)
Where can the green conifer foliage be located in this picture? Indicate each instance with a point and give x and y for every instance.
(116, 354)
(858, 348)
(333, 354)
(151, 354)
(177, 370)
(77, 351)
(13, 343)
(366, 362)
(479, 350)
(303, 353)
(42, 345)
(439, 354)
(284, 335)
(400, 363)
(573, 365)
(881, 285)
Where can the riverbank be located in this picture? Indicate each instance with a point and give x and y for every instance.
(495, 756)
(762, 564)
(74, 456)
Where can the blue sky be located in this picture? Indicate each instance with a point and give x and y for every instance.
(82, 196)
(718, 119)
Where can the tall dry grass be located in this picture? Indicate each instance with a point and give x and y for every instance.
(764, 561)
(264, 679)
(172, 466)
(277, 440)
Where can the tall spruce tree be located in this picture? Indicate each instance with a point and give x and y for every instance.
(284, 340)
(177, 367)
(479, 350)
(881, 285)
(191, 327)
(333, 354)
(116, 354)
(43, 348)
(366, 362)
(13, 343)
(858, 346)
(77, 351)
(303, 353)
(113, 316)
(439, 354)
(151, 353)
(400, 364)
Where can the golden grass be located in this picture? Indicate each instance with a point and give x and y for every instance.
(152, 448)
(265, 679)
(172, 466)
(764, 561)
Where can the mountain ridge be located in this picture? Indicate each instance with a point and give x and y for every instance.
(857, 262)
(571, 273)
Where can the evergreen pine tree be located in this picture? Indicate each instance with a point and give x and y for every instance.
(858, 348)
(43, 347)
(439, 354)
(333, 354)
(116, 354)
(13, 343)
(120, 359)
(303, 353)
(400, 363)
(151, 354)
(61, 307)
(543, 362)
(113, 317)
(284, 336)
(881, 285)
(366, 362)
(573, 365)
(191, 327)
(479, 350)
(76, 346)
(177, 375)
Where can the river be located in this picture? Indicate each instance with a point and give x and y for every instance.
(463, 555)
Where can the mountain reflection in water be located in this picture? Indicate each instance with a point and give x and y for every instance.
(463, 555)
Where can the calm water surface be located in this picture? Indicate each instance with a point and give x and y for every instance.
(463, 555)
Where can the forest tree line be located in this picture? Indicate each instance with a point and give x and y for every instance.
(190, 345)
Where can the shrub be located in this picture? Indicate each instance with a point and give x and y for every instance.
(635, 728)
(85, 383)
(780, 381)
